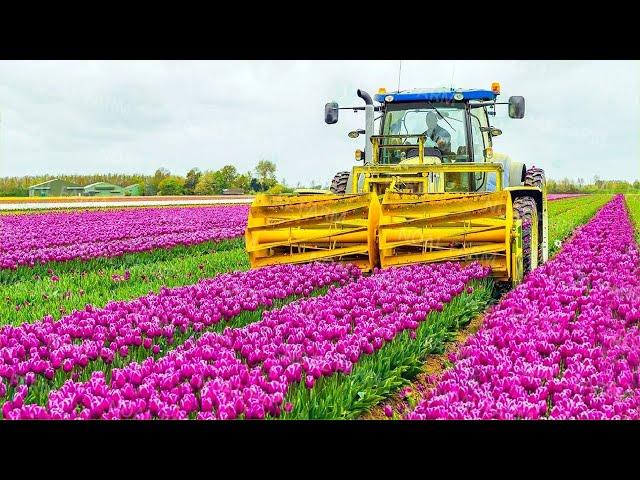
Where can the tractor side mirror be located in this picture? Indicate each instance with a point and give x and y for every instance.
(516, 107)
(331, 113)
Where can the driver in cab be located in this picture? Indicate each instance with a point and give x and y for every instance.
(440, 136)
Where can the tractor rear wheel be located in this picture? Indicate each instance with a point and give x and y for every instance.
(339, 183)
(535, 178)
(525, 209)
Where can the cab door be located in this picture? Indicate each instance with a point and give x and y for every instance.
(481, 145)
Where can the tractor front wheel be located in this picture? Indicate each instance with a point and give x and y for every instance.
(535, 178)
(525, 209)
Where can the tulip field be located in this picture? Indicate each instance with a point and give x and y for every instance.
(153, 313)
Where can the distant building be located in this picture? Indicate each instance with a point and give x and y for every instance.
(55, 188)
(134, 190)
(233, 191)
(103, 189)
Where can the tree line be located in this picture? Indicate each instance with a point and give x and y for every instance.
(215, 182)
(596, 186)
(261, 179)
(163, 182)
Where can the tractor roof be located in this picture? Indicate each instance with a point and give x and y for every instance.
(436, 95)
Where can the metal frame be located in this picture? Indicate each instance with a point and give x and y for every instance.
(379, 174)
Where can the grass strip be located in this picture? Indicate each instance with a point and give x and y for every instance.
(562, 222)
(633, 207)
(100, 281)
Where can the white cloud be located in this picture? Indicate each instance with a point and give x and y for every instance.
(135, 116)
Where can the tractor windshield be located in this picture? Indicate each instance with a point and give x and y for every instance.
(443, 125)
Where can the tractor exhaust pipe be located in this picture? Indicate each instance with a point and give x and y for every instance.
(369, 110)
(365, 96)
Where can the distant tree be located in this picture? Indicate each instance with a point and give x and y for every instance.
(243, 182)
(206, 184)
(256, 186)
(17, 191)
(226, 177)
(636, 185)
(597, 182)
(160, 175)
(172, 185)
(266, 172)
(191, 181)
(215, 182)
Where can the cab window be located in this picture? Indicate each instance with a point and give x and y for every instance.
(409, 119)
(477, 138)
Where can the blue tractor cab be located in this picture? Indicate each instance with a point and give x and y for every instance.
(436, 95)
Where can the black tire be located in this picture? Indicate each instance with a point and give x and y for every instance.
(523, 209)
(535, 178)
(339, 183)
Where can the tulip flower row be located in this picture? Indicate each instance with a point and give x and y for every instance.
(246, 372)
(564, 344)
(62, 236)
(559, 196)
(121, 330)
(29, 295)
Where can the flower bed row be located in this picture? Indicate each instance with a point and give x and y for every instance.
(564, 344)
(559, 196)
(246, 372)
(29, 294)
(61, 236)
(48, 351)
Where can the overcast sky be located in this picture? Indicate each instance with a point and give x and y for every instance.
(582, 117)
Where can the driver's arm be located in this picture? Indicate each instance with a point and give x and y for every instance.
(443, 140)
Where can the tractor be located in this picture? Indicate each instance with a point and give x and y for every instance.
(430, 188)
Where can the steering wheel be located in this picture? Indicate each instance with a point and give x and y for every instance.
(428, 152)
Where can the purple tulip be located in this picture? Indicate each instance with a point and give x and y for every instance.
(112, 233)
(245, 371)
(563, 344)
(71, 343)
